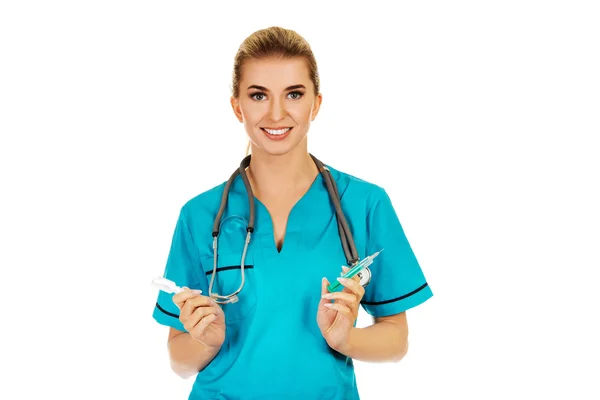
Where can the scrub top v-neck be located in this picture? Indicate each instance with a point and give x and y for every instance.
(297, 221)
(273, 347)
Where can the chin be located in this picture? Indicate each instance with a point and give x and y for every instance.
(277, 149)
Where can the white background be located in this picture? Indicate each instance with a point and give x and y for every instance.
(481, 119)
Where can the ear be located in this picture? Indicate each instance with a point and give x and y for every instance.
(316, 107)
(235, 104)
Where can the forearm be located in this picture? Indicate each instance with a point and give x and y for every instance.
(188, 356)
(381, 342)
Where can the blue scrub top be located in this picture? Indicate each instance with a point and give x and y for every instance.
(273, 347)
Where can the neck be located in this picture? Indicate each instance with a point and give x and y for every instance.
(276, 175)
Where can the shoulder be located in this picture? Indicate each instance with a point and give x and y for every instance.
(203, 205)
(358, 188)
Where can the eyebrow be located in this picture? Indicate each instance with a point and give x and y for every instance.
(266, 90)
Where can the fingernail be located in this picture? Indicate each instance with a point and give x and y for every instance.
(197, 291)
(328, 305)
(342, 279)
(326, 296)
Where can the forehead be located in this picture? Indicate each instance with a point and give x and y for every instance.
(275, 74)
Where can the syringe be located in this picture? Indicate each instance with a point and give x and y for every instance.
(355, 270)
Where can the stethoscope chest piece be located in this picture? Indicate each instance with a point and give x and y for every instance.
(364, 276)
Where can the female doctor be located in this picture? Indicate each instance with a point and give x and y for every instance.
(286, 336)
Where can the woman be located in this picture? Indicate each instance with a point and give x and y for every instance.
(287, 337)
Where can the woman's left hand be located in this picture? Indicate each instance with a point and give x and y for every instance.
(336, 319)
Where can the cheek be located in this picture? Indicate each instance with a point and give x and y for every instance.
(252, 115)
(251, 128)
(301, 114)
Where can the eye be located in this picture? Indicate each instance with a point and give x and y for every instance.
(300, 94)
(253, 96)
(296, 95)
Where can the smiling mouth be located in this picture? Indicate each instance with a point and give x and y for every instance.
(276, 132)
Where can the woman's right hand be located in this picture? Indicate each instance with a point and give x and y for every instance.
(201, 317)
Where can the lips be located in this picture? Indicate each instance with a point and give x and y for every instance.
(276, 134)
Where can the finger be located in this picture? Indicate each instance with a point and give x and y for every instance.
(193, 303)
(346, 269)
(324, 291)
(197, 315)
(181, 297)
(342, 309)
(201, 301)
(324, 284)
(346, 298)
(199, 331)
(352, 286)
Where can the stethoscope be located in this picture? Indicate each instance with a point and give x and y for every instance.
(344, 231)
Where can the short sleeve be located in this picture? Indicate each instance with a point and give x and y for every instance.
(397, 281)
(183, 267)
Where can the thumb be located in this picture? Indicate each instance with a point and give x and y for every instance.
(324, 284)
(322, 301)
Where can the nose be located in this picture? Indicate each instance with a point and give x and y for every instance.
(277, 110)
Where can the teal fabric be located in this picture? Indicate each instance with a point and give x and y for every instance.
(273, 347)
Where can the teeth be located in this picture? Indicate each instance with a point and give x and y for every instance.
(277, 132)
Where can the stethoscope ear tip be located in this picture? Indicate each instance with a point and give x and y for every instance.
(219, 299)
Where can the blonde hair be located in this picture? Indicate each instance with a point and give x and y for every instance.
(273, 42)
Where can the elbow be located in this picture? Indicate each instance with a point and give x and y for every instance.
(401, 353)
(181, 371)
